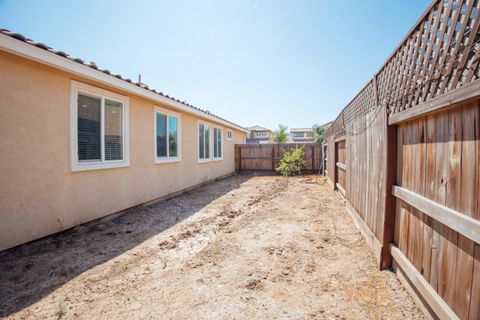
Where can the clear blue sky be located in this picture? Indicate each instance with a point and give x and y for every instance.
(259, 62)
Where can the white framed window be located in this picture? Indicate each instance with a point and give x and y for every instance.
(167, 135)
(99, 137)
(217, 143)
(229, 135)
(204, 140)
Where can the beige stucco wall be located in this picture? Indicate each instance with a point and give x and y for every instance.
(40, 195)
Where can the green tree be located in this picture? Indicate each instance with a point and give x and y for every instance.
(280, 135)
(318, 132)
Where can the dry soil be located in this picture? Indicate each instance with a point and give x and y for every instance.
(240, 248)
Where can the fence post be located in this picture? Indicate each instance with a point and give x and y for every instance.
(335, 160)
(273, 157)
(313, 158)
(239, 158)
(390, 201)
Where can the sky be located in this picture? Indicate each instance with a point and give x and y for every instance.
(253, 62)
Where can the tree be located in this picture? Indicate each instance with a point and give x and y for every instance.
(318, 132)
(280, 135)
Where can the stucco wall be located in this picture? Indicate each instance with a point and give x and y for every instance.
(40, 195)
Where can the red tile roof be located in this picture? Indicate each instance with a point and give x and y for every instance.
(93, 65)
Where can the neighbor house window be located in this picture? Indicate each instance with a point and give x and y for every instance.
(99, 123)
(298, 134)
(203, 141)
(217, 143)
(261, 134)
(167, 135)
(229, 135)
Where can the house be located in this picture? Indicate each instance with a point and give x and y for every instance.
(301, 135)
(258, 134)
(79, 142)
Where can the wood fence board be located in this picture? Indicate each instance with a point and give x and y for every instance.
(445, 146)
(429, 192)
(466, 247)
(474, 144)
(430, 88)
(474, 313)
(448, 268)
(442, 310)
(266, 157)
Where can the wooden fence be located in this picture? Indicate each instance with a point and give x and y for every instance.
(405, 153)
(266, 157)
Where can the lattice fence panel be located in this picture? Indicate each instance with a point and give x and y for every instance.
(440, 53)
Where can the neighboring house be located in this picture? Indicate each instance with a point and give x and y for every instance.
(258, 134)
(79, 143)
(301, 134)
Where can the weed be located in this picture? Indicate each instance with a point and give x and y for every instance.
(60, 310)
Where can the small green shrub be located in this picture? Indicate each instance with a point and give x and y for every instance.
(292, 162)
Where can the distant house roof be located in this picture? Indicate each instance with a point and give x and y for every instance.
(301, 129)
(11, 42)
(257, 128)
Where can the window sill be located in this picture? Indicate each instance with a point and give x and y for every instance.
(77, 167)
(167, 160)
(218, 159)
(204, 160)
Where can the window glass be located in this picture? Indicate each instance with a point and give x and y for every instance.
(172, 137)
(201, 142)
(113, 130)
(89, 124)
(161, 135)
(217, 146)
(219, 143)
(207, 141)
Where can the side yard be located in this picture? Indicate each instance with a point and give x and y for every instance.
(243, 247)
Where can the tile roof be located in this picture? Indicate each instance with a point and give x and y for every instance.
(258, 128)
(93, 65)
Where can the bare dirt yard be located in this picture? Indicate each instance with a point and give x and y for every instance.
(240, 248)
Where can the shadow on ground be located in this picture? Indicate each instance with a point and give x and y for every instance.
(33, 270)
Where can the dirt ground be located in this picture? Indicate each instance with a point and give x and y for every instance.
(240, 248)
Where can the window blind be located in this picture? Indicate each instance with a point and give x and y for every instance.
(113, 130)
(89, 124)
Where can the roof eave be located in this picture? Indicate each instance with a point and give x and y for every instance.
(34, 53)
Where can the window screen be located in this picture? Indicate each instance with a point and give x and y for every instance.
(172, 137)
(207, 141)
(203, 141)
(217, 145)
(161, 135)
(113, 128)
(201, 146)
(89, 124)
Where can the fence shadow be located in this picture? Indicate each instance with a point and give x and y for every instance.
(33, 270)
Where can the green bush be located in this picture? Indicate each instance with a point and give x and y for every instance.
(292, 162)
